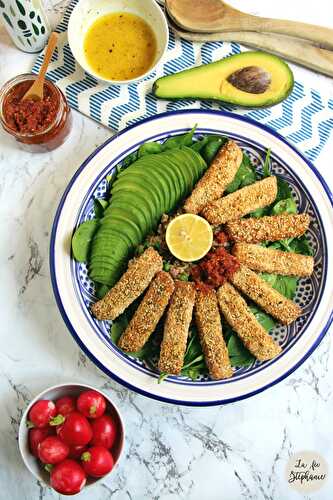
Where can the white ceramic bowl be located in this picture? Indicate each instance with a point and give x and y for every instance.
(56, 392)
(74, 291)
(87, 11)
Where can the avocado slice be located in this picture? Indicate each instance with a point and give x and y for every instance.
(134, 212)
(146, 171)
(153, 167)
(137, 195)
(250, 79)
(135, 181)
(127, 223)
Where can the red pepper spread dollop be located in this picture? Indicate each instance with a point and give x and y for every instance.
(218, 266)
(29, 116)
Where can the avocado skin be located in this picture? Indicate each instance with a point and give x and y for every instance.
(238, 98)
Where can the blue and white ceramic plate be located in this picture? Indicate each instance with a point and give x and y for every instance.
(74, 291)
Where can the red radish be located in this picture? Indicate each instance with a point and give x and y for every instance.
(41, 413)
(68, 477)
(36, 436)
(97, 461)
(58, 429)
(91, 404)
(75, 452)
(76, 430)
(65, 405)
(104, 431)
(52, 450)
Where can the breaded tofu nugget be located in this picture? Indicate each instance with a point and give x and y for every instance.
(148, 314)
(265, 296)
(131, 285)
(268, 228)
(242, 202)
(242, 320)
(216, 178)
(269, 260)
(208, 321)
(176, 328)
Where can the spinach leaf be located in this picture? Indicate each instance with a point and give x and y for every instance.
(245, 175)
(149, 148)
(285, 206)
(127, 161)
(283, 191)
(301, 245)
(118, 327)
(286, 285)
(99, 206)
(82, 238)
(110, 179)
(101, 290)
(194, 364)
(200, 144)
(266, 169)
(238, 354)
(212, 147)
(264, 319)
(259, 212)
(179, 140)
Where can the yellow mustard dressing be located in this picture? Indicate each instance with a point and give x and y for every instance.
(120, 46)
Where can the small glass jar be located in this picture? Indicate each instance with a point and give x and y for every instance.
(53, 116)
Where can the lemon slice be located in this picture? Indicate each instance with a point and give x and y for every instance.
(189, 237)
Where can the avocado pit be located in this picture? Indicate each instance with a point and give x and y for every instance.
(251, 79)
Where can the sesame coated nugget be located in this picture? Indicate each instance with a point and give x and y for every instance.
(269, 260)
(242, 320)
(216, 178)
(176, 328)
(133, 282)
(265, 296)
(148, 313)
(241, 202)
(268, 228)
(208, 321)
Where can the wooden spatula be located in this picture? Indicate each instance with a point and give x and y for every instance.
(37, 88)
(212, 16)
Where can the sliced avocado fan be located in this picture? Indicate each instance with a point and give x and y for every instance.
(151, 186)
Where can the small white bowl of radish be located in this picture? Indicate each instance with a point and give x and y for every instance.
(71, 436)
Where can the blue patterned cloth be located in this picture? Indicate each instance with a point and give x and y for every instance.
(305, 118)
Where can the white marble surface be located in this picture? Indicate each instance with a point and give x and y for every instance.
(226, 453)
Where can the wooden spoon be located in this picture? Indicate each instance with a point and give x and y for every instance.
(293, 49)
(212, 16)
(36, 91)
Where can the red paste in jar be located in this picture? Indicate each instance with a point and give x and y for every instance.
(29, 116)
(215, 269)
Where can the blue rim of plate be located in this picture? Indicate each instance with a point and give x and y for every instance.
(56, 290)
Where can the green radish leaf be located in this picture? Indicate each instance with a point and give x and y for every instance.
(82, 238)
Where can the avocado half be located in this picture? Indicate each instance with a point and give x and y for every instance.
(250, 79)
